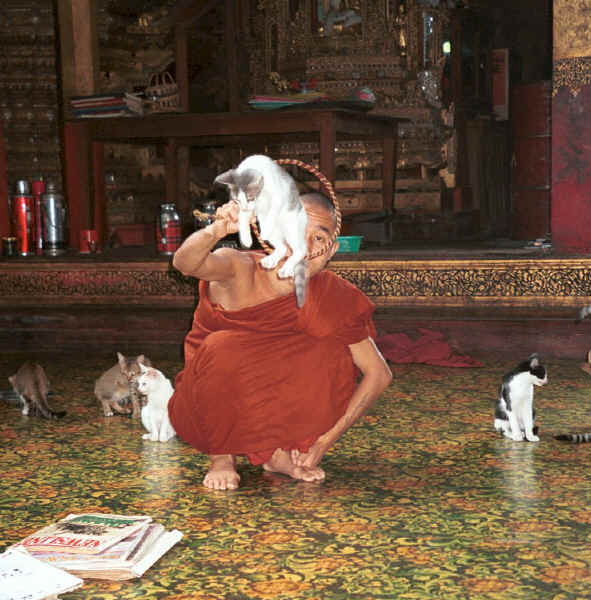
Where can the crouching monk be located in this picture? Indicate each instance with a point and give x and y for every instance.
(263, 378)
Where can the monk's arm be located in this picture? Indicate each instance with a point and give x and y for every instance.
(376, 376)
(195, 258)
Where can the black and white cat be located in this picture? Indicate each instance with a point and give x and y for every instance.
(583, 313)
(261, 187)
(514, 410)
(158, 390)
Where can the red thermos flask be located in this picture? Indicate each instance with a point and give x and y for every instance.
(23, 219)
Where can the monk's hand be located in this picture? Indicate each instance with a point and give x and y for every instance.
(312, 457)
(226, 219)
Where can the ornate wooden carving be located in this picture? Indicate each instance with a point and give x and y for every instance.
(534, 284)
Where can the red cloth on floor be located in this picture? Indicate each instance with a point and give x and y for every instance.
(430, 348)
(270, 376)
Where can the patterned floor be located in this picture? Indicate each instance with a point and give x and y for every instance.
(422, 499)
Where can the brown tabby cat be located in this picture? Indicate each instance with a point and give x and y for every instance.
(31, 385)
(120, 383)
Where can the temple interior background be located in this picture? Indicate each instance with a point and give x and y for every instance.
(469, 181)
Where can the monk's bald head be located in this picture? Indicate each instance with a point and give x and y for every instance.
(314, 202)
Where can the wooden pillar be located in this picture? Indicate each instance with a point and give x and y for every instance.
(78, 49)
(232, 41)
(571, 129)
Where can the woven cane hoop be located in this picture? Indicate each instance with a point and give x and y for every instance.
(328, 187)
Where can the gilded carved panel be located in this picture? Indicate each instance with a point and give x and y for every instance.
(572, 28)
(388, 282)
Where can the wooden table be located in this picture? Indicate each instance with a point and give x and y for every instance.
(85, 138)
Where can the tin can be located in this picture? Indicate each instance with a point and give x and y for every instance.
(23, 219)
(168, 230)
(53, 208)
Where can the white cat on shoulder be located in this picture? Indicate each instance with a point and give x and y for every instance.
(261, 187)
(158, 390)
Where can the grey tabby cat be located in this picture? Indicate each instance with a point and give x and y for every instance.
(262, 188)
(31, 386)
(119, 384)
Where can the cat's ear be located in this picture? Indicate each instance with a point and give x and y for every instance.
(255, 185)
(226, 178)
(141, 359)
(121, 360)
(534, 360)
(143, 367)
(12, 379)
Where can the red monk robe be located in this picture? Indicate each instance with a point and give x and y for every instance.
(270, 376)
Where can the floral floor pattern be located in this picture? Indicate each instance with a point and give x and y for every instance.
(422, 498)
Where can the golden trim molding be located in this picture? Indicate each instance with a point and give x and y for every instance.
(470, 283)
(572, 73)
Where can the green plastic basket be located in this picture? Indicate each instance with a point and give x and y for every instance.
(349, 243)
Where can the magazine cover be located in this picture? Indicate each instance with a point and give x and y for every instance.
(118, 553)
(84, 533)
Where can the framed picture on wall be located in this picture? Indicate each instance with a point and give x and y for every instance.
(331, 17)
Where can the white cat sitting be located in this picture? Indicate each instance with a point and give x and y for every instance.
(514, 410)
(158, 390)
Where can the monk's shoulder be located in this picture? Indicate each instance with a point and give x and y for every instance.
(332, 283)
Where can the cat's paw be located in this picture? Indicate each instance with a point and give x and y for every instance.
(532, 438)
(245, 238)
(269, 262)
(146, 436)
(517, 437)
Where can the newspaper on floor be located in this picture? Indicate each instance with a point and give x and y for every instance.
(23, 577)
(127, 559)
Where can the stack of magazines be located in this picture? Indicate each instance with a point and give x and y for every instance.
(101, 546)
(113, 104)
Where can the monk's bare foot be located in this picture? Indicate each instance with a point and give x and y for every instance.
(281, 463)
(222, 473)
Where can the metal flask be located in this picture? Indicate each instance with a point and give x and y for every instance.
(53, 207)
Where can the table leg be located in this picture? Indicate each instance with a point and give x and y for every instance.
(99, 209)
(390, 158)
(4, 207)
(171, 171)
(77, 179)
(328, 140)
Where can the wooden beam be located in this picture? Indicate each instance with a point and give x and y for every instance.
(78, 48)
(182, 66)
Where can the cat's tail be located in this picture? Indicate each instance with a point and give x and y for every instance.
(299, 280)
(583, 313)
(575, 438)
(58, 414)
(48, 413)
